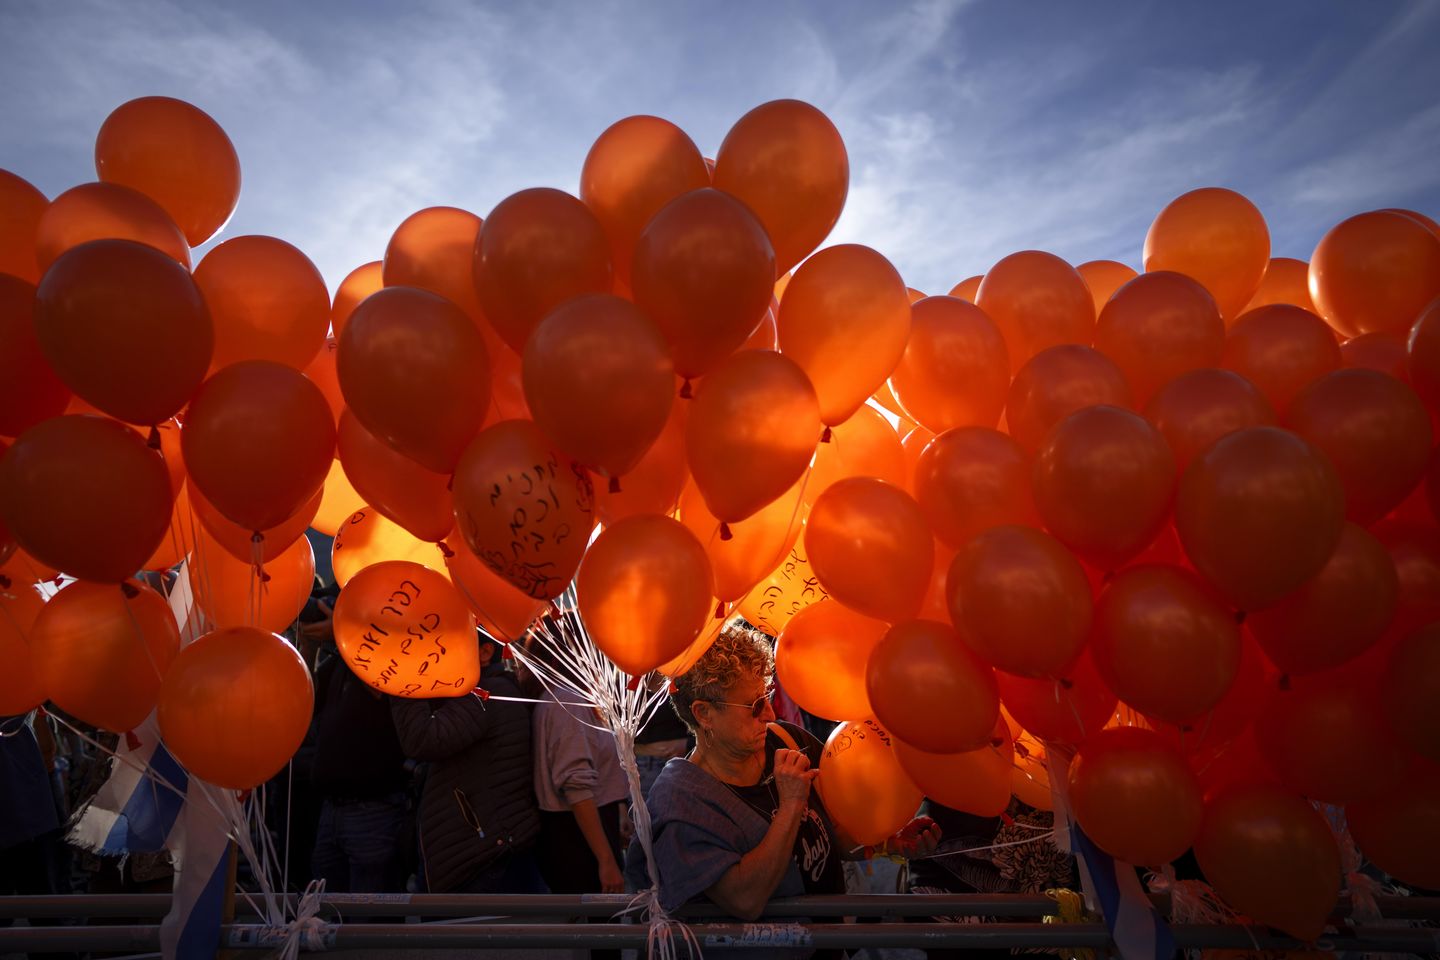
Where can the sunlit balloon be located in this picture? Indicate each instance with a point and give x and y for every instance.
(775, 600)
(1038, 301)
(929, 689)
(866, 791)
(1286, 281)
(1375, 271)
(358, 284)
(1103, 278)
(967, 289)
(369, 537)
(106, 211)
(955, 369)
(1157, 327)
(434, 249)
(756, 546)
(1057, 382)
(30, 389)
(975, 781)
(1134, 796)
(1067, 709)
(863, 446)
(21, 206)
(870, 546)
(231, 593)
(1217, 237)
(821, 657)
(500, 610)
(1198, 408)
(405, 492)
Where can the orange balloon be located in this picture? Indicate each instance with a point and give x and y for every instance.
(1157, 327)
(1281, 349)
(85, 495)
(100, 651)
(20, 689)
(1103, 483)
(177, 155)
(1030, 778)
(268, 300)
(30, 389)
(637, 166)
(24, 570)
(1259, 513)
(599, 381)
(338, 500)
(757, 544)
(705, 273)
(967, 289)
(240, 542)
(405, 492)
(785, 160)
(1020, 600)
(1415, 550)
(955, 369)
(537, 249)
(405, 630)
(1198, 408)
(358, 284)
(1383, 350)
(235, 706)
(321, 372)
(863, 446)
(845, 320)
(231, 593)
(1217, 237)
(1056, 383)
(1067, 709)
(500, 610)
(1286, 281)
(415, 373)
(106, 211)
(654, 484)
(1423, 364)
(971, 479)
(865, 790)
(125, 328)
(1410, 691)
(913, 445)
(1164, 644)
(1271, 856)
(752, 431)
(870, 546)
(1038, 301)
(1337, 614)
(821, 656)
(765, 336)
(1376, 432)
(523, 507)
(1103, 278)
(885, 397)
(1399, 831)
(368, 537)
(175, 546)
(1135, 797)
(792, 587)
(434, 249)
(21, 207)
(1375, 271)
(644, 590)
(258, 442)
(927, 688)
(976, 781)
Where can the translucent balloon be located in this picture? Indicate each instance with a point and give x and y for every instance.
(863, 446)
(1038, 301)
(866, 791)
(434, 249)
(821, 657)
(971, 479)
(1375, 271)
(1217, 237)
(321, 372)
(792, 587)
(655, 483)
(1134, 796)
(106, 211)
(1157, 327)
(1281, 349)
(368, 537)
(929, 689)
(1055, 384)
(967, 289)
(1103, 278)
(30, 389)
(240, 541)
(21, 206)
(976, 781)
(870, 546)
(358, 284)
(338, 500)
(756, 546)
(1286, 281)
(1384, 351)
(500, 610)
(268, 301)
(955, 369)
(20, 689)
(405, 492)
(1066, 709)
(1198, 408)
(232, 593)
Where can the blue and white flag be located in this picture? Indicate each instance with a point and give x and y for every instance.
(1136, 927)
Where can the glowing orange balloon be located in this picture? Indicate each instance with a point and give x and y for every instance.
(1410, 691)
(1281, 349)
(1103, 482)
(235, 706)
(654, 484)
(866, 791)
(1067, 709)
(106, 211)
(85, 495)
(321, 372)
(821, 656)
(268, 301)
(752, 431)
(1198, 408)
(870, 546)
(1217, 237)
(634, 168)
(1286, 281)
(705, 273)
(177, 155)
(792, 587)
(863, 446)
(24, 570)
(231, 593)
(1020, 600)
(240, 541)
(971, 479)
(1259, 513)
(20, 690)
(405, 492)
(126, 328)
(415, 372)
(913, 444)
(100, 651)
(1103, 278)
(927, 688)
(845, 320)
(537, 249)
(644, 590)
(1375, 271)
(955, 369)
(21, 206)
(500, 610)
(1383, 350)
(967, 289)
(757, 544)
(1038, 301)
(599, 381)
(1157, 327)
(1056, 383)
(338, 500)
(523, 508)
(975, 781)
(1030, 778)
(785, 160)
(1272, 856)
(404, 630)
(30, 389)
(369, 537)
(1134, 796)
(1399, 831)
(434, 249)
(358, 284)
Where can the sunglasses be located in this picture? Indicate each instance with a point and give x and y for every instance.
(756, 708)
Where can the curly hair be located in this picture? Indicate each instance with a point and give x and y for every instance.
(739, 651)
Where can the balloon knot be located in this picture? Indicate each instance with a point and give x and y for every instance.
(1284, 681)
(482, 693)
(260, 572)
(725, 533)
(720, 610)
(40, 710)
(1006, 819)
(445, 550)
(671, 689)
(257, 537)
(1109, 575)
(1021, 749)
(153, 440)
(996, 742)
(825, 437)
(633, 683)
(130, 590)
(243, 795)
(4, 582)
(1239, 616)
(450, 483)
(614, 484)
(506, 653)
(132, 740)
(1067, 683)
(685, 391)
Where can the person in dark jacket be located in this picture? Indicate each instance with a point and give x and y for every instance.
(478, 819)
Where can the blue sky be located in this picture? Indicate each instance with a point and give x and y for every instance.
(974, 129)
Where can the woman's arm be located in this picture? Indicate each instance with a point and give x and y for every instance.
(587, 815)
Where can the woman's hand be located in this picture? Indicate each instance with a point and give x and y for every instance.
(611, 879)
(914, 841)
(793, 777)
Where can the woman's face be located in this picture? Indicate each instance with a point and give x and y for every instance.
(734, 720)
